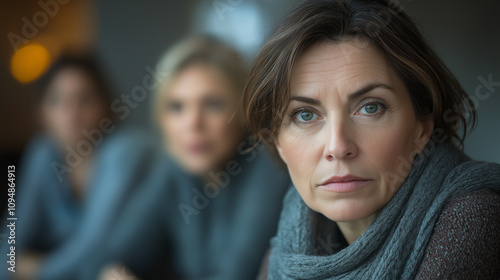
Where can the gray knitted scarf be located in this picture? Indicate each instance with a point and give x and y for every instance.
(393, 245)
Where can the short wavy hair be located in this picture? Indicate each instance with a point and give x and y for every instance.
(434, 91)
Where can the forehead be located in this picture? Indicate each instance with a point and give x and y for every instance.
(343, 65)
(71, 81)
(198, 80)
(69, 75)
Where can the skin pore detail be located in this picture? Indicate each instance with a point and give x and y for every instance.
(350, 117)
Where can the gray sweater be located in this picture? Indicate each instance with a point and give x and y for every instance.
(465, 243)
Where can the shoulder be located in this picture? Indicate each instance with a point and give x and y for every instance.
(477, 211)
(465, 243)
(38, 162)
(482, 197)
(127, 148)
(128, 140)
(40, 147)
(479, 173)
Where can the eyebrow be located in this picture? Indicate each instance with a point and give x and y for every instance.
(308, 100)
(366, 89)
(351, 97)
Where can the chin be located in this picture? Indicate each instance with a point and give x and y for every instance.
(70, 140)
(345, 209)
(197, 167)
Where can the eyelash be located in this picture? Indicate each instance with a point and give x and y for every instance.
(294, 113)
(379, 103)
(383, 106)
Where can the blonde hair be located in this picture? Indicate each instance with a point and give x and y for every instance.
(198, 49)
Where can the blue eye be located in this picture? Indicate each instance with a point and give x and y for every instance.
(305, 116)
(215, 105)
(173, 107)
(370, 109)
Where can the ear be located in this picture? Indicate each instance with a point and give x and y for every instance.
(426, 129)
(279, 149)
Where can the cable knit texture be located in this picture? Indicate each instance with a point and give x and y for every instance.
(465, 243)
(309, 246)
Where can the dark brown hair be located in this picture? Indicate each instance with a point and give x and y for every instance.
(435, 92)
(89, 64)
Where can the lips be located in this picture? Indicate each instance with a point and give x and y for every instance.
(344, 184)
(198, 148)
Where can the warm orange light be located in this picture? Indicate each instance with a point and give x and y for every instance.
(29, 62)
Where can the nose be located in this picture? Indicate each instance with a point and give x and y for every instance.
(194, 120)
(72, 111)
(339, 143)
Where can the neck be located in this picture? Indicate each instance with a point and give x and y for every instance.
(352, 230)
(79, 177)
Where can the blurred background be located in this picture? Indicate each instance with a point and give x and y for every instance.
(130, 37)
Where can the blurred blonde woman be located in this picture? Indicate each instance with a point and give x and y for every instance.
(210, 206)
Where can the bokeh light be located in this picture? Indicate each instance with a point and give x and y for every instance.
(29, 63)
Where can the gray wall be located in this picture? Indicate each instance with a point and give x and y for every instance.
(466, 34)
(132, 35)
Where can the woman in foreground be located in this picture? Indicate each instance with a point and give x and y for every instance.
(366, 118)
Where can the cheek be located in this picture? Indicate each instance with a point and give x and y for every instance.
(57, 118)
(302, 151)
(46, 115)
(94, 114)
(165, 124)
(217, 123)
(171, 128)
(222, 133)
(383, 149)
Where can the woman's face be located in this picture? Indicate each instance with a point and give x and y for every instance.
(196, 109)
(71, 105)
(348, 125)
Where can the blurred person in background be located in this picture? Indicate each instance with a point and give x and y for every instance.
(74, 175)
(213, 206)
